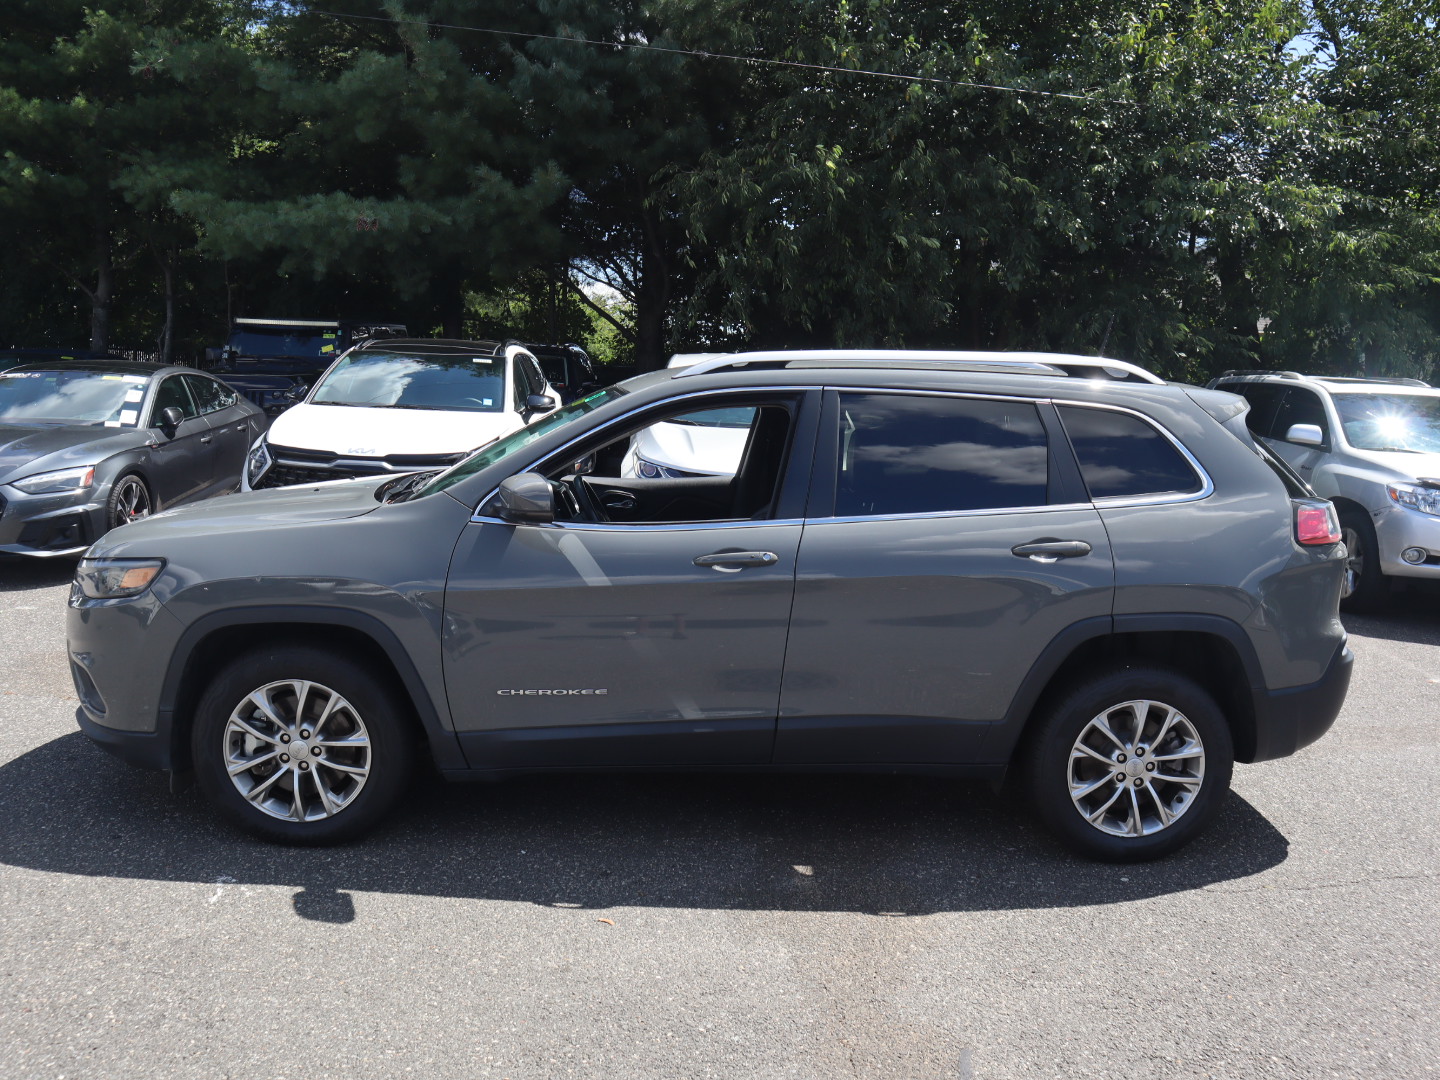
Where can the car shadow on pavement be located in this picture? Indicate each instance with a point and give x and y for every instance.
(18, 573)
(1410, 615)
(881, 845)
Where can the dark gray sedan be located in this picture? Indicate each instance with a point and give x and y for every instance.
(87, 445)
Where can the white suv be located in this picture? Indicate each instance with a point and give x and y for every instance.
(398, 405)
(1370, 446)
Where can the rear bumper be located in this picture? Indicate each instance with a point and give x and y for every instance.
(1290, 719)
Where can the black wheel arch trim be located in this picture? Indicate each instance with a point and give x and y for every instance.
(444, 748)
(1254, 738)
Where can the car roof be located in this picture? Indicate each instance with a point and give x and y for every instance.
(1337, 383)
(104, 367)
(436, 346)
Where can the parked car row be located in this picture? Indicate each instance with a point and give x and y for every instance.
(1056, 569)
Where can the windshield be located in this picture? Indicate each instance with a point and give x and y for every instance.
(386, 380)
(72, 397)
(518, 440)
(1391, 421)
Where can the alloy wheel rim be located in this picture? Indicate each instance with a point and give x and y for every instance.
(132, 503)
(297, 750)
(1136, 768)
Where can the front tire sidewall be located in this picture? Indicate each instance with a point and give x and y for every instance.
(1372, 588)
(112, 504)
(391, 756)
(1061, 726)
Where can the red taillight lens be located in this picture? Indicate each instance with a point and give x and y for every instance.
(1316, 523)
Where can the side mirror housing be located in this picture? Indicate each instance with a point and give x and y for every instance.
(539, 403)
(1305, 435)
(526, 499)
(170, 419)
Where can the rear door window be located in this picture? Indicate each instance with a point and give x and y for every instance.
(1124, 456)
(922, 454)
(1263, 399)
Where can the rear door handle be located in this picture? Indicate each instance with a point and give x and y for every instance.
(1046, 550)
(730, 562)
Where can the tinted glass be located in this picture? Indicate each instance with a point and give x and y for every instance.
(902, 454)
(71, 397)
(1123, 456)
(172, 395)
(1262, 398)
(1390, 421)
(1300, 407)
(207, 393)
(382, 380)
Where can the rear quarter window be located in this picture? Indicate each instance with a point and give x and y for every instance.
(1124, 456)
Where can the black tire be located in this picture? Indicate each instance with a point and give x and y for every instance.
(336, 802)
(130, 500)
(1054, 760)
(1367, 588)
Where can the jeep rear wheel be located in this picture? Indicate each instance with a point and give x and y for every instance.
(301, 746)
(1131, 764)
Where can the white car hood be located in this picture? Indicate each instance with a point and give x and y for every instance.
(364, 432)
(692, 448)
(1403, 462)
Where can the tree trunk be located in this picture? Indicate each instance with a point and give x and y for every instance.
(653, 297)
(104, 288)
(167, 333)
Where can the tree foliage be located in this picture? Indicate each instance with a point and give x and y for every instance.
(1195, 185)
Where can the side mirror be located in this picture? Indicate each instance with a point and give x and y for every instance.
(526, 499)
(295, 393)
(170, 419)
(539, 403)
(1305, 435)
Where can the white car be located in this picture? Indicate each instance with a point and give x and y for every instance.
(707, 442)
(400, 405)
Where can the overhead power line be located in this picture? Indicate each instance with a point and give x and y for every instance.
(760, 60)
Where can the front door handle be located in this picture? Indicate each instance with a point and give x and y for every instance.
(1046, 550)
(732, 562)
(206, 438)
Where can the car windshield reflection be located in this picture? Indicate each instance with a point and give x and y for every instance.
(80, 398)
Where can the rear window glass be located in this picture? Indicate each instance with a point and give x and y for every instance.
(1123, 456)
(908, 454)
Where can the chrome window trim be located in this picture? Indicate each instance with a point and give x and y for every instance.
(851, 519)
(1111, 502)
(475, 514)
(639, 526)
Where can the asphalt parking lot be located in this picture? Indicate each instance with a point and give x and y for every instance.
(714, 926)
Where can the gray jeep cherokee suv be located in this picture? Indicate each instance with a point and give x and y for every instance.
(963, 563)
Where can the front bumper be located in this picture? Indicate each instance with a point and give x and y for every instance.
(1290, 719)
(62, 524)
(1398, 528)
(119, 652)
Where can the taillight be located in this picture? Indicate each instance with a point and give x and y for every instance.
(1316, 522)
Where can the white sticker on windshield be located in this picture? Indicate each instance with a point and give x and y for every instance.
(129, 416)
(486, 402)
(112, 423)
(137, 378)
(138, 394)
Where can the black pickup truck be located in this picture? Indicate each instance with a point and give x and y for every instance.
(273, 361)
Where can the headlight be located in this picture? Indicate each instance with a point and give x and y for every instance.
(648, 469)
(1424, 499)
(257, 462)
(50, 483)
(110, 579)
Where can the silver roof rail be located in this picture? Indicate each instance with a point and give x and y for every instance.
(1018, 363)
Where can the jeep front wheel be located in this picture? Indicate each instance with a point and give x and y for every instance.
(301, 746)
